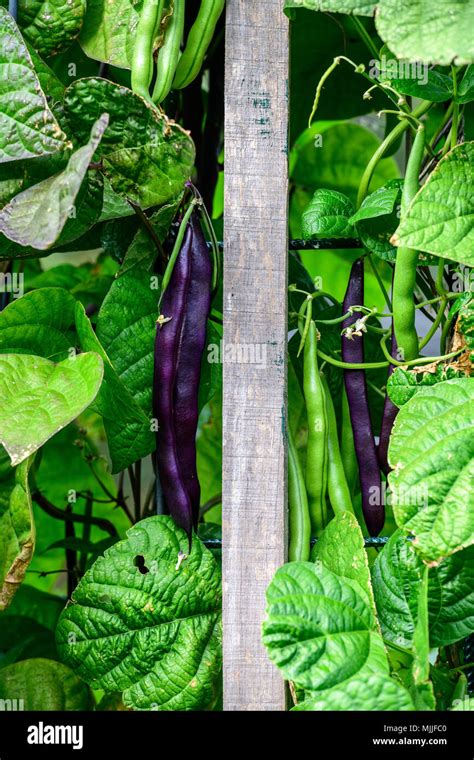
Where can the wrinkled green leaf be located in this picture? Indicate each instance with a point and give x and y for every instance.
(403, 384)
(341, 550)
(432, 455)
(146, 157)
(17, 532)
(373, 692)
(358, 7)
(127, 427)
(38, 215)
(44, 685)
(438, 32)
(27, 126)
(451, 599)
(41, 398)
(109, 31)
(440, 219)
(41, 323)
(320, 631)
(153, 635)
(126, 328)
(327, 215)
(51, 25)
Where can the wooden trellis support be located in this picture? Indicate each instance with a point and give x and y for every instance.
(255, 325)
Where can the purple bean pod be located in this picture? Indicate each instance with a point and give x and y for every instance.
(167, 349)
(356, 389)
(188, 373)
(179, 346)
(390, 412)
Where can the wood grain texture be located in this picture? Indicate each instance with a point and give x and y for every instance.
(255, 321)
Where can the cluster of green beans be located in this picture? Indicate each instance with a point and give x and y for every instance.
(325, 475)
(175, 70)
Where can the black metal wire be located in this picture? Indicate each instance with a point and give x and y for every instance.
(370, 542)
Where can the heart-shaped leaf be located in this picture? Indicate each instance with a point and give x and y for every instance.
(440, 220)
(373, 692)
(27, 126)
(44, 685)
(39, 398)
(145, 620)
(320, 630)
(432, 455)
(37, 216)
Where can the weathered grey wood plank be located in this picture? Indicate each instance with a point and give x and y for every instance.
(255, 319)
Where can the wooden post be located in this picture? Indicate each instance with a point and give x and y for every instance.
(255, 338)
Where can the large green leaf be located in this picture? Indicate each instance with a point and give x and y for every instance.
(439, 32)
(36, 217)
(451, 599)
(341, 550)
(128, 428)
(403, 384)
(397, 576)
(41, 323)
(146, 157)
(327, 215)
(431, 453)
(358, 7)
(440, 220)
(40, 398)
(372, 692)
(44, 685)
(109, 30)
(320, 630)
(27, 126)
(51, 25)
(145, 621)
(17, 531)
(126, 328)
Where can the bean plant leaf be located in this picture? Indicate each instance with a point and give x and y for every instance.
(466, 86)
(40, 398)
(378, 218)
(373, 692)
(422, 688)
(146, 157)
(341, 550)
(44, 685)
(403, 384)
(41, 323)
(147, 622)
(327, 215)
(27, 126)
(440, 219)
(451, 599)
(37, 216)
(397, 575)
(320, 631)
(379, 203)
(357, 7)
(431, 33)
(128, 428)
(126, 328)
(51, 26)
(17, 531)
(109, 30)
(431, 453)
(142, 252)
(413, 78)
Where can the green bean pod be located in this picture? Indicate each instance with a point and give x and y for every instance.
(300, 523)
(142, 59)
(168, 55)
(404, 278)
(316, 453)
(338, 489)
(199, 39)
